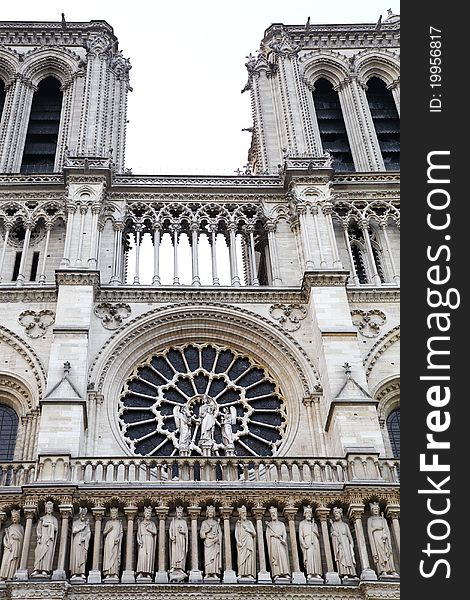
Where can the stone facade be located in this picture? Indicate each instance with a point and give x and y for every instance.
(173, 341)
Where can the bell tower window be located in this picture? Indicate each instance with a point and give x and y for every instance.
(386, 122)
(333, 133)
(43, 129)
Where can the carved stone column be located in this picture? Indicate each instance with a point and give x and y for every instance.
(195, 575)
(128, 575)
(161, 575)
(263, 575)
(297, 575)
(229, 574)
(4, 248)
(355, 513)
(22, 573)
(24, 253)
(331, 576)
(271, 228)
(66, 510)
(392, 511)
(95, 574)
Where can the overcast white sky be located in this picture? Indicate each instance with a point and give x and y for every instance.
(188, 67)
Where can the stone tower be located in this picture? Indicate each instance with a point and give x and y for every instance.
(200, 372)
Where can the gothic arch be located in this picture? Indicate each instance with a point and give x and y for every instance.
(388, 339)
(235, 328)
(44, 62)
(9, 65)
(332, 67)
(376, 63)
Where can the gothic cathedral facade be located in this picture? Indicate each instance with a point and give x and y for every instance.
(199, 375)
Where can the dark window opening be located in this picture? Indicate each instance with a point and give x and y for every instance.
(355, 236)
(16, 267)
(386, 122)
(2, 96)
(34, 266)
(393, 427)
(378, 263)
(8, 431)
(43, 129)
(333, 133)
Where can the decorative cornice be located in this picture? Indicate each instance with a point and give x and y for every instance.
(373, 295)
(28, 295)
(78, 277)
(331, 278)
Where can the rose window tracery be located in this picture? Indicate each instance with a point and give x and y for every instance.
(201, 399)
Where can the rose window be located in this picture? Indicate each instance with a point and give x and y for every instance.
(201, 400)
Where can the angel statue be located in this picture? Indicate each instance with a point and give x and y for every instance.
(183, 419)
(228, 417)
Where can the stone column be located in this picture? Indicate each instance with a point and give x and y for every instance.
(229, 573)
(392, 511)
(355, 513)
(271, 227)
(297, 575)
(5, 244)
(304, 234)
(66, 510)
(215, 277)
(138, 231)
(128, 575)
(331, 576)
(323, 264)
(373, 264)
(83, 212)
(71, 208)
(156, 255)
(117, 258)
(354, 277)
(42, 276)
(162, 574)
(396, 277)
(327, 210)
(254, 274)
(263, 575)
(21, 274)
(308, 403)
(22, 573)
(94, 575)
(395, 89)
(232, 249)
(93, 256)
(176, 279)
(195, 575)
(194, 254)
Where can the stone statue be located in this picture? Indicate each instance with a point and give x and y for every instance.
(309, 538)
(12, 544)
(178, 533)
(208, 414)
(211, 533)
(183, 420)
(276, 536)
(112, 534)
(343, 545)
(146, 537)
(46, 539)
(228, 417)
(81, 534)
(245, 535)
(380, 541)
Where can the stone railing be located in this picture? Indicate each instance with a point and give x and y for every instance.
(179, 471)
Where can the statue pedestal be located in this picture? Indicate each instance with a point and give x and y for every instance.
(3, 584)
(211, 579)
(332, 578)
(280, 579)
(141, 579)
(162, 577)
(128, 577)
(298, 577)
(58, 575)
(21, 575)
(315, 580)
(246, 579)
(350, 580)
(195, 576)
(77, 579)
(229, 577)
(264, 577)
(111, 579)
(94, 577)
(368, 575)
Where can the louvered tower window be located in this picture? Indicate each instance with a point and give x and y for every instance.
(2, 96)
(386, 122)
(357, 242)
(43, 129)
(8, 431)
(393, 427)
(333, 133)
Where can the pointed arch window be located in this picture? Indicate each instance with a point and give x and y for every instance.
(8, 432)
(43, 128)
(333, 133)
(386, 122)
(393, 428)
